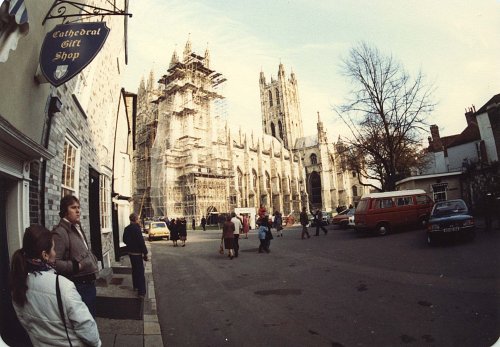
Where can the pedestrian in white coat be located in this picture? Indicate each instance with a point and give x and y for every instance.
(34, 282)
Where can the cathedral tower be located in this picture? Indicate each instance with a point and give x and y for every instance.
(280, 107)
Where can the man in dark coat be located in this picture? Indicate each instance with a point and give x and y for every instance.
(318, 220)
(137, 252)
(203, 222)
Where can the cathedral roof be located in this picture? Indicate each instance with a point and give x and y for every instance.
(307, 141)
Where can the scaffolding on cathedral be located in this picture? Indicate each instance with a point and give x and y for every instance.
(190, 177)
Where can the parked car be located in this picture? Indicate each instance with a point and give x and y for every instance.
(158, 230)
(448, 219)
(383, 212)
(342, 219)
(145, 227)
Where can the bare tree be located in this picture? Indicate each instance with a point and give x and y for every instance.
(385, 113)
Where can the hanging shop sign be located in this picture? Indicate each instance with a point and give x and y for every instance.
(69, 48)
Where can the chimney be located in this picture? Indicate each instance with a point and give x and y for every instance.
(437, 144)
(469, 115)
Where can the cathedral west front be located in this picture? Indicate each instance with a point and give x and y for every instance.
(188, 163)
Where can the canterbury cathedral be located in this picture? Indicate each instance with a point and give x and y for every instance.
(188, 163)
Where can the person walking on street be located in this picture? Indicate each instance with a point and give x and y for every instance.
(203, 222)
(263, 223)
(183, 231)
(238, 226)
(304, 220)
(228, 236)
(174, 231)
(278, 223)
(193, 224)
(37, 291)
(246, 226)
(137, 252)
(318, 220)
(74, 258)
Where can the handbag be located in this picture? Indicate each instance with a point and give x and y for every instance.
(221, 248)
(269, 234)
(61, 311)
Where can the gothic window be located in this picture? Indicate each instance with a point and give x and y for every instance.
(314, 159)
(240, 181)
(268, 180)
(354, 191)
(280, 129)
(277, 97)
(254, 174)
(315, 187)
(273, 130)
(270, 98)
(354, 174)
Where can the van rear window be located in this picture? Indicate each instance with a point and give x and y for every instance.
(362, 205)
(423, 200)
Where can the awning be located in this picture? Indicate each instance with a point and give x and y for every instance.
(17, 9)
(14, 24)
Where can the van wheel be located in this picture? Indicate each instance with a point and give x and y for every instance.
(383, 229)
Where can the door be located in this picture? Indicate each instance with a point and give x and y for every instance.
(95, 214)
(11, 330)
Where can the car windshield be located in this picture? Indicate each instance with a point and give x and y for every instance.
(351, 211)
(448, 208)
(158, 225)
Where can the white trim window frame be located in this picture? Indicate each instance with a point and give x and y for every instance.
(439, 192)
(105, 203)
(70, 175)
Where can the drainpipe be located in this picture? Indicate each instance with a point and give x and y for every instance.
(55, 106)
(114, 210)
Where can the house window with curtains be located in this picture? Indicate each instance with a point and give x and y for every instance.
(70, 168)
(105, 202)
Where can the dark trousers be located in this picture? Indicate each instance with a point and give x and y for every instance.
(263, 245)
(320, 225)
(236, 244)
(138, 279)
(88, 293)
(304, 232)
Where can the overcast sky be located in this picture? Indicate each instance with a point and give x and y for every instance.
(454, 43)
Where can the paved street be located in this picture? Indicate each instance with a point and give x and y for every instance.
(341, 289)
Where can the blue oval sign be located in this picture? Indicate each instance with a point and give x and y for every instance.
(69, 48)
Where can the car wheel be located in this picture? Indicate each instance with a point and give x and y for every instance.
(168, 238)
(150, 238)
(383, 229)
